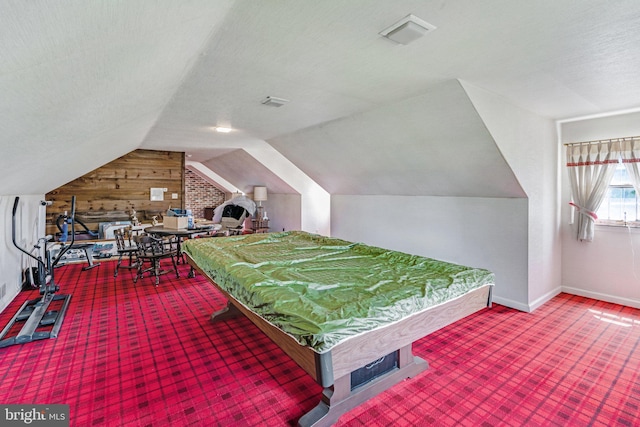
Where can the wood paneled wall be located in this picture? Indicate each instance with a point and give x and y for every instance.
(113, 190)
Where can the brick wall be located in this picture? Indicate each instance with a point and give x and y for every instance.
(200, 194)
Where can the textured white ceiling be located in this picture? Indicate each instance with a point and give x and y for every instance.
(81, 83)
(84, 82)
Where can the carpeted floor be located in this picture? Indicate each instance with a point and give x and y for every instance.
(137, 355)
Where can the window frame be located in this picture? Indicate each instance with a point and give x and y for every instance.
(622, 222)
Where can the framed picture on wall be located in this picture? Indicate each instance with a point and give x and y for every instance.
(157, 194)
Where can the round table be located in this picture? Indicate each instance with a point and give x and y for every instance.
(180, 233)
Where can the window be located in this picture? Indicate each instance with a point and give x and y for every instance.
(620, 206)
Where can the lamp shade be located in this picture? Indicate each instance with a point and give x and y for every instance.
(259, 194)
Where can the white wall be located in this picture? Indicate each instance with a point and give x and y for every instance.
(29, 227)
(517, 238)
(488, 233)
(528, 143)
(608, 268)
(314, 200)
(284, 211)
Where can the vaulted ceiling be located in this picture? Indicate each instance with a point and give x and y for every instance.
(84, 82)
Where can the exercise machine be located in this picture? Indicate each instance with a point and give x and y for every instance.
(63, 222)
(40, 318)
(86, 249)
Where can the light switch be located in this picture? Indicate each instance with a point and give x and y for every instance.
(174, 195)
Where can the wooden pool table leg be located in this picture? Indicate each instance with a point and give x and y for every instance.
(339, 398)
(228, 312)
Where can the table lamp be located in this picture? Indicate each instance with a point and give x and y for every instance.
(260, 195)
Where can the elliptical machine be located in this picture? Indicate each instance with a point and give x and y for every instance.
(35, 314)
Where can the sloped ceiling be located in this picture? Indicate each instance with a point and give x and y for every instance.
(84, 82)
(434, 144)
(240, 167)
(81, 83)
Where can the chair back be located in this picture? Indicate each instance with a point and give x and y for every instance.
(123, 238)
(150, 246)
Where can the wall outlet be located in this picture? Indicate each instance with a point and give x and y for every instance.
(174, 196)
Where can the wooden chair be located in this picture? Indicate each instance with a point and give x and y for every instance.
(126, 248)
(151, 251)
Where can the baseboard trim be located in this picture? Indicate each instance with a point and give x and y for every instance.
(629, 302)
(545, 298)
(510, 303)
(528, 308)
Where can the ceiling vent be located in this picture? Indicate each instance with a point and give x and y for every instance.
(407, 29)
(274, 102)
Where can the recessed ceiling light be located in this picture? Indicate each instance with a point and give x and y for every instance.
(407, 29)
(222, 129)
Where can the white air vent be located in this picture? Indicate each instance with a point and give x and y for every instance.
(407, 29)
(272, 101)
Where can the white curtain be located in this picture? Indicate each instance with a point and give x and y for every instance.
(591, 167)
(630, 152)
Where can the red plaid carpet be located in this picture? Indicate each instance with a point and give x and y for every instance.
(137, 355)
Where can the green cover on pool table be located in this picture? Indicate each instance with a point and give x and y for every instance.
(323, 290)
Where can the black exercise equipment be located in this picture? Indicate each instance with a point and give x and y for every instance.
(35, 314)
(62, 220)
(87, 248)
